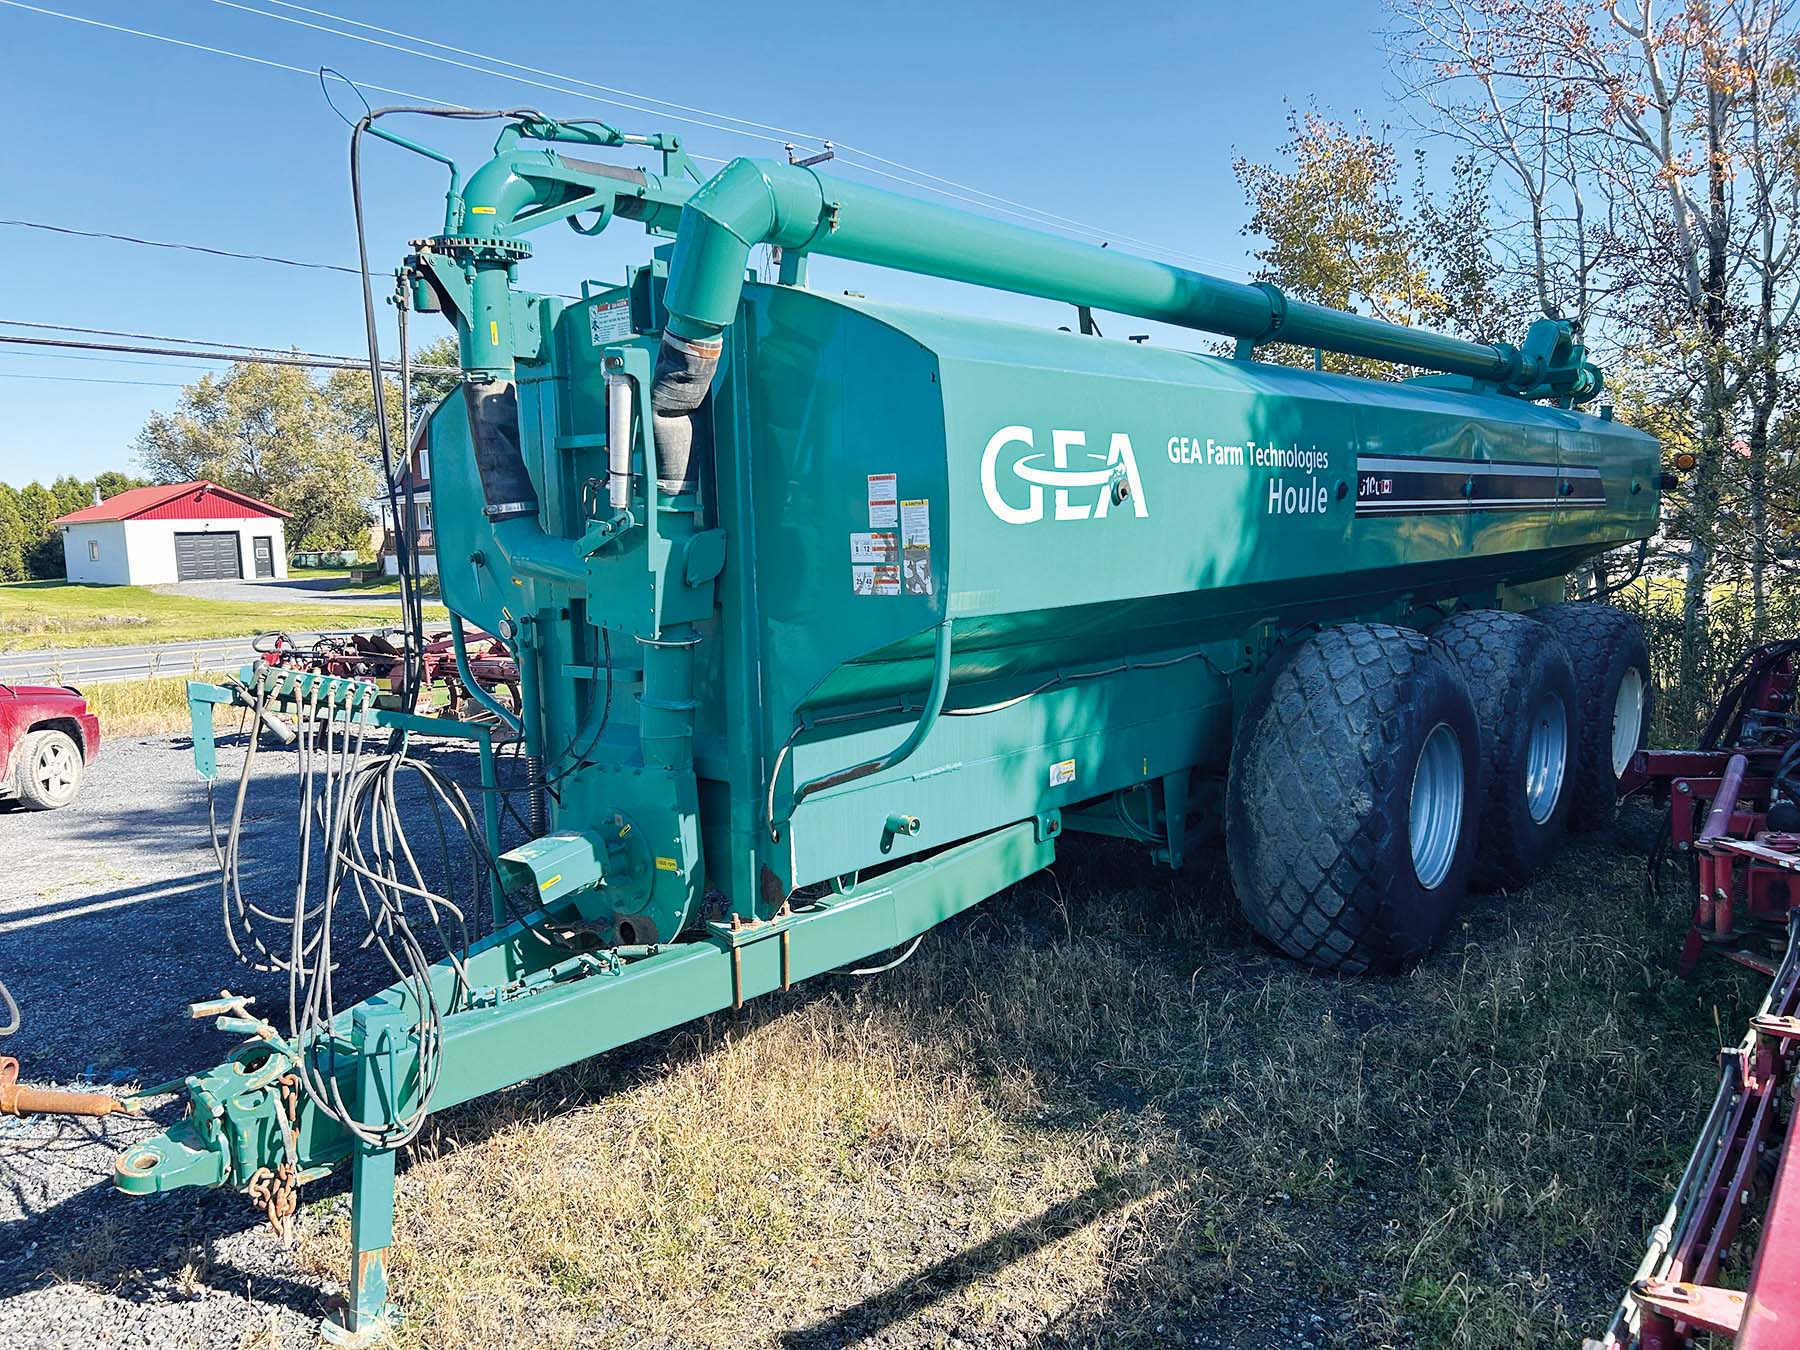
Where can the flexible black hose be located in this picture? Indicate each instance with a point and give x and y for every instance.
(411, 605)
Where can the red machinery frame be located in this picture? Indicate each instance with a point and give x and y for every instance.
(373, 656)
(1746, 879)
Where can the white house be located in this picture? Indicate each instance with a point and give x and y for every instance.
(174, 532)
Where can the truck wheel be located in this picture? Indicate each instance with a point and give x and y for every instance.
(1612, 682)
(1525, 705)
(49, 772)
(1351, 805)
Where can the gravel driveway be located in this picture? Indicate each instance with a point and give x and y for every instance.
(288, 591)
(109, 926)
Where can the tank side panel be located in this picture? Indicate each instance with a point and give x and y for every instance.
(1083, 505)
(1261, 488)
(842, 420)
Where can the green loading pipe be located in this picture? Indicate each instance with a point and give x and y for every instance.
(518, 191)
(460, 644)
(928, 718)
(758, 201)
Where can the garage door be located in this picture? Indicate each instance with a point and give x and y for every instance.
(205, 557)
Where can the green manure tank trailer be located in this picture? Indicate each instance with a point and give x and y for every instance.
(832, 617)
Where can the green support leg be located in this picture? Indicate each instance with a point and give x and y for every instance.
(379, 1029)
(490, 823)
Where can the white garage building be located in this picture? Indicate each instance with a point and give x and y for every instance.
(174, 532)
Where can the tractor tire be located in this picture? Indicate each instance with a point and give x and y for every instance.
(1351, 804)
(1612, 682)
(49, 772)
(1526, 706)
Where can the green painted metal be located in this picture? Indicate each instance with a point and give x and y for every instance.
(380, 1038)
(532, 1007)
(947, 584)
(796, 207)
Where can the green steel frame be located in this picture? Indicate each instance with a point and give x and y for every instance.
(768, 777)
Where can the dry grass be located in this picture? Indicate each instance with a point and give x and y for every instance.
(144, 707)
(1093, 1112)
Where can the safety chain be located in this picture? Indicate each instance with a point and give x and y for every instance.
(274, 1191)
(277, 1190)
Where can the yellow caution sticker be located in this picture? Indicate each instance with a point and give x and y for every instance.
(481, 210)
(493, 332)
(546, 885)
(667, 865)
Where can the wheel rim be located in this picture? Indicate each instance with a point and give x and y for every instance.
(1546, 757)
(1628, 719)
(55, 771)
(1434, 821)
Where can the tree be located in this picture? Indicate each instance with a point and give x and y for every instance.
(41, 542)
(1650, 157)
(12, 536)
(277, 434)
(1336, 232)
(110, 483)
(351, 393)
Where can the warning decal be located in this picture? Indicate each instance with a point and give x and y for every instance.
(610, 322)
(884, 501)
(874, 548)
(875, 580)
(1063, 771)
(915, 547)
(915, 523)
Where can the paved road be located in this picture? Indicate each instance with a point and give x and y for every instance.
(99, 665)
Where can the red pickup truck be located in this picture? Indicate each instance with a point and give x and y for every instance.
(47, 739)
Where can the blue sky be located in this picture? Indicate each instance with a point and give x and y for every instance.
(1126, 120)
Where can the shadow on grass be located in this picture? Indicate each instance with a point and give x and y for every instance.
(1463, 1155)
(925, 1287)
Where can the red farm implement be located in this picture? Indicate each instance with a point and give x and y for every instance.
(1734, 818)
(380, 657)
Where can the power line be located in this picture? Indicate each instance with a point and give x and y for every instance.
(234, 355)
(215, 51)
(108, 360)
(1032, 214)
(92, 379)
(202, 248)
(815, 139)
(993, 202)
(189, 248)
(811, 138)
(310, 361)
(496, 74)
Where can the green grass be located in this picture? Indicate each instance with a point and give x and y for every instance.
(374, 585)
(1094, 1112)
(62, 614)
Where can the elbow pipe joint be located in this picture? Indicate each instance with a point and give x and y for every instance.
(745, 204)
(494, 197)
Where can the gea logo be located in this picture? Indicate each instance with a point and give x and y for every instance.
(1081, 493)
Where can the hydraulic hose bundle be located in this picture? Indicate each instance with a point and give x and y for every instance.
(353, 842)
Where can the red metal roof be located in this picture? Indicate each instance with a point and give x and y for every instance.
(174, 501)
